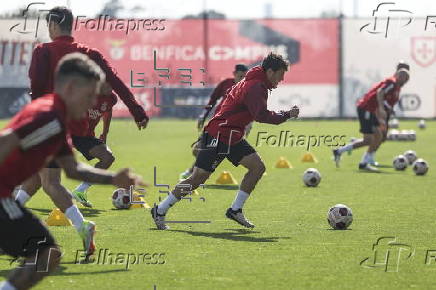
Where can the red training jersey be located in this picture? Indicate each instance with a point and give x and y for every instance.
(104, 105)
(244, 103)
(220, 93)
(40, 126)
(45, 58)
(391, 95)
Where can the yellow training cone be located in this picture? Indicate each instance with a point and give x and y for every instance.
(57, 218)
(283, 163)
(137, 198)
(226, 178)
(309, 157)
(195, 192)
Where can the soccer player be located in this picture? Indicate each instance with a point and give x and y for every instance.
(44, 60)
(88, 145)
(373, 111)
(36, 135)
(223, 137)
(219, 93)
(92, 147)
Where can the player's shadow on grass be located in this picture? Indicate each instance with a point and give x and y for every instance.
(240, 235)
(60, 271)
(87, 212)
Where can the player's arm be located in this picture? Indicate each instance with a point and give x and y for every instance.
(38, 71)
(214, 97)
(8, 142)
(255, 100)
(121, 90)
(381, 112)
(80, 171)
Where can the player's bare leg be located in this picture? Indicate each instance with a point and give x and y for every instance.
(183, 188)
(35, 268)
(366, 141)
(28, 189)
(105, 160)
(256, 168)
(61, 197)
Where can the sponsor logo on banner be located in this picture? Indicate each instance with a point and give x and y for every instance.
(424, 50)
(116, 51)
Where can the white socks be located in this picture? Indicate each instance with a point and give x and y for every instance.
(345, 148)
(83, 186)
(163, 207)
(367, 157)
(240, 199)
(22, 197)
(5, 285)
(75, 216)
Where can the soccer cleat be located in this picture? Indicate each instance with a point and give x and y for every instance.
(87, 231)
(159, 219)
(367, 167)
(238, 217)
(337, 157)
(374, 163)
(184, 175)
(82, 198)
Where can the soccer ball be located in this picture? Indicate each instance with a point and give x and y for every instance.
(400, 162)
(394, 123)
(410, 156)
(121, 198)
(421, 124)
(420, 167)
(311, 177)
(340, 217)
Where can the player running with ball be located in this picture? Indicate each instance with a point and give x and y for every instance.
(223, 137)
(373, 111)
(37, 135)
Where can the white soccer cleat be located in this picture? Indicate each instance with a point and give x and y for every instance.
(159, 219)
(239, 217)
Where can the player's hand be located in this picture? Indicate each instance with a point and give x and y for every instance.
(124, 179)
(142, 124)
(103, 137)
(11, 208)
(294, 112)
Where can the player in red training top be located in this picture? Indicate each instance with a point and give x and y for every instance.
(35, 136)
(88, 145)
(219, 93)
(44, 59)
(92, 147)
(374, 110)
(223, 137)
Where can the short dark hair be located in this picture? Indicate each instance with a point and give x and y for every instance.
(241, 67)
(275, 62)
(62, 16)
(78, 65)
(402, 64)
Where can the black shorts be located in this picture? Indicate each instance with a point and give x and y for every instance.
(23, 237)
(209, 157)
(85, 144)
(368, 121)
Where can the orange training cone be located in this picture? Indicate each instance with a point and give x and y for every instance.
(283, 163)
(57, 218)
(226, 178)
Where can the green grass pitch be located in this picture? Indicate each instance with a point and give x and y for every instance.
(292, 246)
